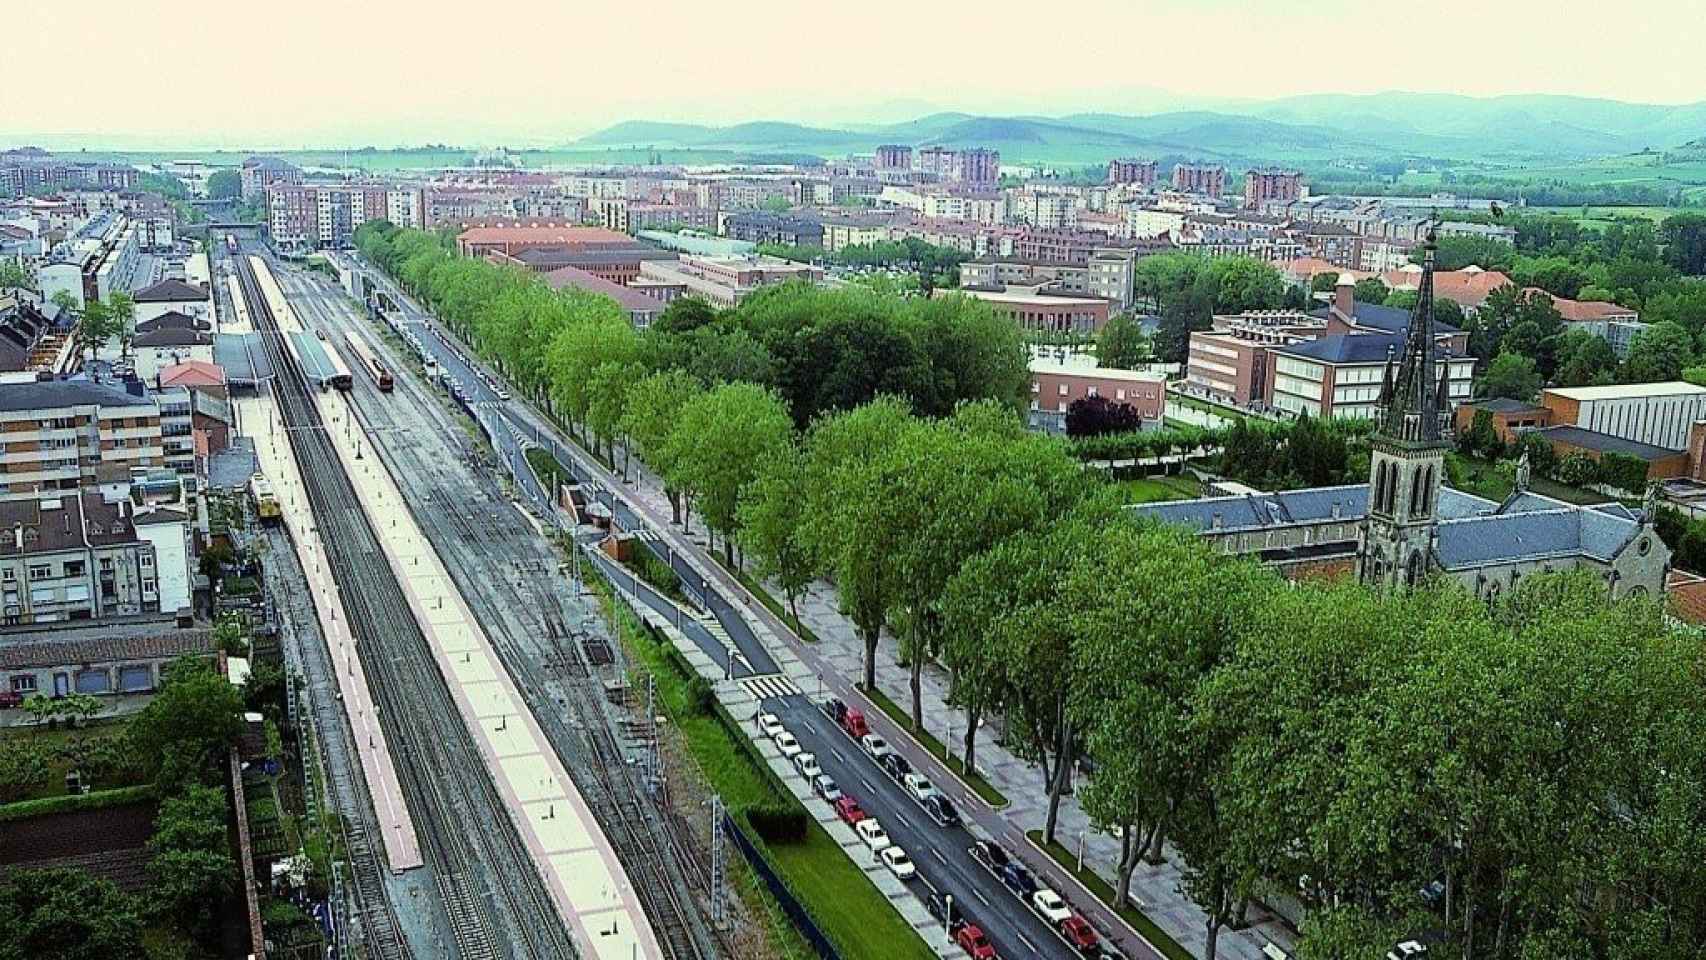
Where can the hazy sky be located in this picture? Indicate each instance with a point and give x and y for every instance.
(289, 73)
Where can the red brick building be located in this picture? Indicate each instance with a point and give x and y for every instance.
(1271, 186)
(1130, 170)
(510, 240)
(1204, 178)
(1055, 386)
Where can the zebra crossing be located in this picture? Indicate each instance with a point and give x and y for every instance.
(770, 685)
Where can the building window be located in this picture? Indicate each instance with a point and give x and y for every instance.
(1063, 389)
(9, 574)
(74, 568)
(24, 683)
(1119, 394)
(40, 571)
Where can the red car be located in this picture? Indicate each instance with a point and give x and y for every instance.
(849, 811)
(854, 723)
(975, 942)
(1078, 932)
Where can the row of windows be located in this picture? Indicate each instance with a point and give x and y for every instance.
(1300, 368)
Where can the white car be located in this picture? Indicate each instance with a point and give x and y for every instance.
(919, 786)
(806, 763)
(786, 743)
(874, 745)
(898, 862)
(770, 725)
(1051, 907)
(872, 832)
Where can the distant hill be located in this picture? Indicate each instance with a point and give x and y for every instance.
(1316, 129)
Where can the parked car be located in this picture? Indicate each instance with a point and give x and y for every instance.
(849, 811)
(770, 725)
(836, 709)
(806, 763)
(990, 854)
(937, 904)
(874, 745)
(789, 746)
(894, 765)
(872, 832)
(1050, 906)
(1081, 935)
(942, 811)
(825, 787)
(975, 942)
(1017, 879)
(919, 786)
(898, 863)
(854, 723)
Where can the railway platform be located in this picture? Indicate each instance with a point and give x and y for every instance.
(258, 418)
(588, 884)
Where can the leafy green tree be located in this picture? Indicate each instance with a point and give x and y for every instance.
(772, 515)
(1584, 360)
(66, 301)
(1371, 290)
(122, 309)
(1511, 375)
(77, 706)
(189, 858)
(777, 205)
(684, 314)
(609, 386)
(224, 185)
(13, 276)
(1658, 353)
(1481, 439)
(649, 419)
(1684, 237)
(717, 444)
(95, 327)
(67, 914)
(1122, 344)
(1455, 253)
(24, 766)
(196, 713)
(1558, 276)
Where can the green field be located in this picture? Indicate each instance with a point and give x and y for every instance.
(1153, 489)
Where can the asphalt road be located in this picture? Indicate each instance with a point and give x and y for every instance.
(941, 854)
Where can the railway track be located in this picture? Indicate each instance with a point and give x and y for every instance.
(347, 792)
(561, 670)
(496, 901)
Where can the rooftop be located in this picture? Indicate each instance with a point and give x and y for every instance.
(1506, 405)
(564, 235)
(627, 298)
(1605, 442)
(104, 647)
(51, 394)
(1627, 391)
(170, 291)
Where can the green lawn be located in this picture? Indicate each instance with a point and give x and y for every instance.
(1105, 893)
(1199, 404)
(848, 908)
(1483, 479)
(58, 742)
(1152, 489)
(992, 796)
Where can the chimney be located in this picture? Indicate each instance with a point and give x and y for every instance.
(1336, 513)
(1217, 522)
(1344, 299)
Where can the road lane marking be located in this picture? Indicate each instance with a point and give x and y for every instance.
(1027, 941)
(979, 894)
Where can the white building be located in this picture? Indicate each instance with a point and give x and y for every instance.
(172, 296)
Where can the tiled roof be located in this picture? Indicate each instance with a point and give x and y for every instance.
(564, 235)
(1686, 595)
(193, 373)
(628, 299)
(105, 649)
(172, 320)
(172, 337)
(1577, 311)
(1467, 287)
(170, 291)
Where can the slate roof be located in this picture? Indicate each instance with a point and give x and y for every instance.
(172, 337)
(47, 394)
(1394, 320)
(172, 320)
(170, 291)
(1605, 442)
(1536, 535)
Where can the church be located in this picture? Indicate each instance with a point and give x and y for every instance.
(1405, 524)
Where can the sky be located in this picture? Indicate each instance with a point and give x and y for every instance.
(204, 73)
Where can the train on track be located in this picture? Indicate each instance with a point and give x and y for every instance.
(264, 500)
(375, 368)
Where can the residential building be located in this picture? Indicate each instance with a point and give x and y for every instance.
(720, 281)
(1267, 186)
(99, 662)
(1130, 170)
(640, 308)
(894, 157)
(974, 166)
(257, 173)
(1108, 274)
(1038, 309)
(172, 296)
(840, 232)
(511, 240)
(1468, 288)
(1229, 362)
(74, 556)
(759, 227)
(1147, 222)
(64, 435)
(1057, 384)
(1204, 178)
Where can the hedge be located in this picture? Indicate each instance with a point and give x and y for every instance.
(96, 800)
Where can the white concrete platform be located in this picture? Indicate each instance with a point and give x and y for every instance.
(257, 418)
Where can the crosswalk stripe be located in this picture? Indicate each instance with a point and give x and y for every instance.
(769, 685)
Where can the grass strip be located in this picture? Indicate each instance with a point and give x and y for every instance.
(995, 798)
(94, 800)
(1104, 892)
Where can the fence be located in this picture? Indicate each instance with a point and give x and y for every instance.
(778, 887)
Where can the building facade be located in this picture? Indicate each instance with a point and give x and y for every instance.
(65, 435)
(1263, 187)
(1205, 178)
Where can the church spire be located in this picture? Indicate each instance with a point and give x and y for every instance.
(1413, 403)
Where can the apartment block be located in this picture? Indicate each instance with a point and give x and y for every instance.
(1202, 178)
(1271, 186)
(74, 557)
(61, 435)
(1139, 172)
